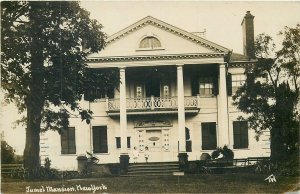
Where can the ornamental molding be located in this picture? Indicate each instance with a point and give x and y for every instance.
(241, 64)
(169, 28)
(155, 57)
(153, 123)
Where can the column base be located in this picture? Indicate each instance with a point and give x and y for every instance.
(183, 161)
(124, 163)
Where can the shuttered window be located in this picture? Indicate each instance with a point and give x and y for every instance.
(240, 134)
(100, 139)
(209, 136)
(67, 137)
(118, 142)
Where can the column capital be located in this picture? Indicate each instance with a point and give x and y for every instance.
(122, 68)
(179, 65)
(223, 65)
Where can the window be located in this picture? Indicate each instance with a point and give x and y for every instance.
(128, 142)
(188, 141)
(237, 81)
(118, 142)
(97, 93)
(206, 86)
(165, 90)
(150, 42)
(209, 136)
(68, 145)
(240, 134)
(139, 91)
(100, 139)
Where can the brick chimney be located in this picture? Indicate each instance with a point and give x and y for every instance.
(248, 35)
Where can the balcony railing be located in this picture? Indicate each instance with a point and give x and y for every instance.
(152, 103)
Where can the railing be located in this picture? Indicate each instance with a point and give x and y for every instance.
(152, 103)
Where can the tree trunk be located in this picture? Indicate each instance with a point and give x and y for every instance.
(277, 143)
(35, 99)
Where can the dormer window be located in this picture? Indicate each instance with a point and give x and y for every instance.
(150, 42)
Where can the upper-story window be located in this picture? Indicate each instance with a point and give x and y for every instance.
(206, 86)
(150, 42)
(237, 81)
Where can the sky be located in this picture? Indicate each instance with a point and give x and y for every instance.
(221, 19)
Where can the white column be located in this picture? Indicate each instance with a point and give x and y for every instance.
(223, 131)
(123, 115)
(181, 111)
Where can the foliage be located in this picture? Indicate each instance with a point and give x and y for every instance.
(44, 48)
(225, 151)
(270, 95)
(284, 168)
(47, 163)
(7, 153)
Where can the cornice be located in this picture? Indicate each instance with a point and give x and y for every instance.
(165, 26)
(241, 64)
(155, 57)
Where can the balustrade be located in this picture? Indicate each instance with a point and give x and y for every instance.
(152, 103)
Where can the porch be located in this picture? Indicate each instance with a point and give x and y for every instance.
(153, 105)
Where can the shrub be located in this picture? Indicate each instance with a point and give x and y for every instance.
(47, 163)
(225, 151)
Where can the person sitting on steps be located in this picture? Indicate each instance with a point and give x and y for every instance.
(146, 154)
(135, 154)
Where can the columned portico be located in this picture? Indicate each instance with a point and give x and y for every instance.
(182, 155)
(223, 133)
(124, 157)
(181, 113)
(123, 114)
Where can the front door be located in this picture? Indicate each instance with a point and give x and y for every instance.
(154, 144)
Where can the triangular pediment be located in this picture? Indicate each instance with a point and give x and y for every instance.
(173, 40)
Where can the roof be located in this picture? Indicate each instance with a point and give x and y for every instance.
(149, 20)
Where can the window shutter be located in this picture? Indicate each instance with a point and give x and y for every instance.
(64, 142)
(103, 140)
(128, 142)
(71, 138)
(215, 86)
(195, 86)
(250, 78)
(229, 84)
(244, 134)
(240, 134)
(209, 138)
(188, 146)
(118, 142)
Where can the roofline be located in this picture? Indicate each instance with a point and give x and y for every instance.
(164, 25)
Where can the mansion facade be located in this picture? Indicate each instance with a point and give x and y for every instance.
(174, 97)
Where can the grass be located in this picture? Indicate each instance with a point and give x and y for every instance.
(212, 183)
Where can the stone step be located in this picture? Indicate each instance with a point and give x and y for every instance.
(153, 168)
(145, 172)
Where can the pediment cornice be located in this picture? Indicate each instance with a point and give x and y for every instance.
(155, 57)
(167, 27)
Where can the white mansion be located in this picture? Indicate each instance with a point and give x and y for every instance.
(175, 97)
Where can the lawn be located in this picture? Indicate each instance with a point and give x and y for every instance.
(212, 183)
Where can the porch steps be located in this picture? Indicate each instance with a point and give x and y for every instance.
(153, 168)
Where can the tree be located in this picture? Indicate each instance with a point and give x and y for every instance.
(271, 93)
(7, 153)
(44, 49)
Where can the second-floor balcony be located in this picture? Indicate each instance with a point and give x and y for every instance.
(152, 104)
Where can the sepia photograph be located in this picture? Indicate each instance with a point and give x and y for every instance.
(150, 96)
